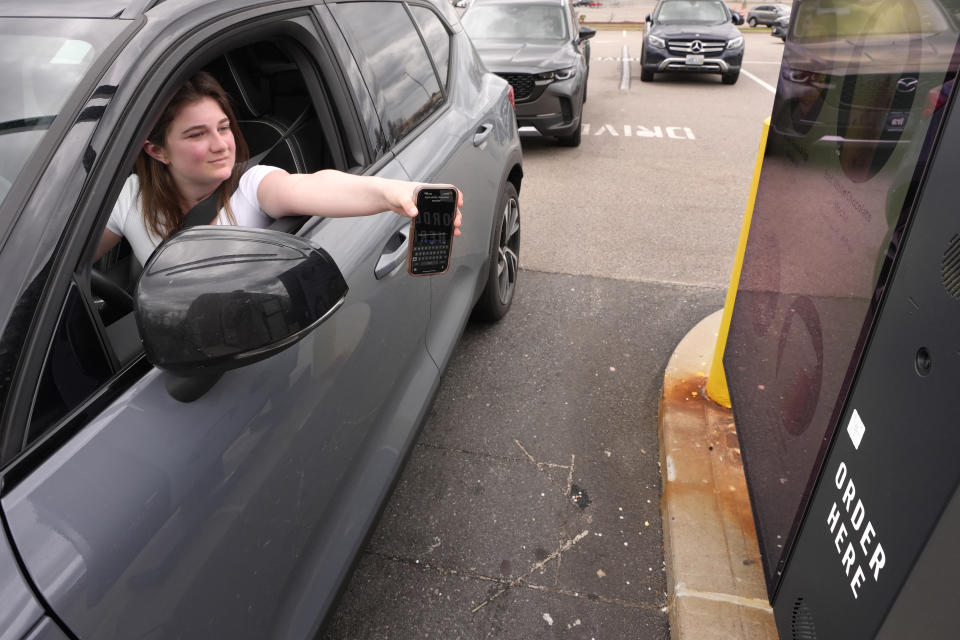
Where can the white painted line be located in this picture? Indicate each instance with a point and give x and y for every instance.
(758, 81)
(624, 33)
(625, 69)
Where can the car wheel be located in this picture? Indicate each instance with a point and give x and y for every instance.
(752, 22)
(730, 77)
(646, 75)
(573, 140)
(501, 284)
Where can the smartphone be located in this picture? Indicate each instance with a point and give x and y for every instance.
(431, 232)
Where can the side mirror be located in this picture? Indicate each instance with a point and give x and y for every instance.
(648, 19)
(736, 18)
(587, 32)
(212, 298)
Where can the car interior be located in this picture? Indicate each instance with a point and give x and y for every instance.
(276, 113)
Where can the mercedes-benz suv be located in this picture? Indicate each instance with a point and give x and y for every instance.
(692, 36)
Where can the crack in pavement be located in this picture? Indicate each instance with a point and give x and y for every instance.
(566, 546)
(507, 584)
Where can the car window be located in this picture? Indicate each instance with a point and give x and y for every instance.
(706, 11)
(41, 63)
(437, 38)
(817, 19)
(511, 22)
(393, 61)
(76, 365)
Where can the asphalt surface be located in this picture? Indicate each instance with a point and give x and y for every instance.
(530, 506)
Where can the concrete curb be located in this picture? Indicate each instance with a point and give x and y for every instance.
(715, 584)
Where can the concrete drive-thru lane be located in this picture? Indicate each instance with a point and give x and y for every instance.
(530, 506)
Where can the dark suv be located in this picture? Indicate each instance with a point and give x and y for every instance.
(695, 36)
(201, 455)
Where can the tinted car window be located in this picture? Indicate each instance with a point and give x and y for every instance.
(41, 63)
(380, 34)
(436, 36)
(76, 366)
(692, 11)
(532, 22)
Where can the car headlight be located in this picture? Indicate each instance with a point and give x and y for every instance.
(559, 74)
(735, 43)
(657, 42)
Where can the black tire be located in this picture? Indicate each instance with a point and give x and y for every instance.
(573, 140)
(497, 295)
(752, 22)
(730, 77)
(646, 75)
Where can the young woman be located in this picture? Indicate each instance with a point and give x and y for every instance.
(196, 150)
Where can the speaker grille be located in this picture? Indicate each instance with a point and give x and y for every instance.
(950, 268)
(802, 622)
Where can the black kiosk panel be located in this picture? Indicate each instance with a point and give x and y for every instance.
(892, 469)
(862, 90)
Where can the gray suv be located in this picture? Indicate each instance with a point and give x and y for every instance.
(198, 450)
(767, 14)
(540, 48)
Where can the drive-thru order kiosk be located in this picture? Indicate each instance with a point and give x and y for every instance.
(843, 358)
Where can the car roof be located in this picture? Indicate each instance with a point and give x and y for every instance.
(74, 8)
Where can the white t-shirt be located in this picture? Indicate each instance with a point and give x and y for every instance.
(126, 219)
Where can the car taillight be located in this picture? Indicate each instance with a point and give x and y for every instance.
(513, 100)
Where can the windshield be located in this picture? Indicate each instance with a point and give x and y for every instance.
(41, 62)
(703, 11)
(836, 19)
(506, 22)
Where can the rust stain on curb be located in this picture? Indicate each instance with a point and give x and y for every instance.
(715, 584)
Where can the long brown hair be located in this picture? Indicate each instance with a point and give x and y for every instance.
(158, 192)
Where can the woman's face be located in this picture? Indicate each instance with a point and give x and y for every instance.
(199, 148)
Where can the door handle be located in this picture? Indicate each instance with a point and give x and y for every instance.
(482, 132)
(394, 253)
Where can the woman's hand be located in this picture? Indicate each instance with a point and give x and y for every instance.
(400, 196)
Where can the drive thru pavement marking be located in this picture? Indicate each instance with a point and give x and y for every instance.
(640, 131)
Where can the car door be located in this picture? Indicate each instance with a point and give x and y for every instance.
(463, 134)
(236, 515)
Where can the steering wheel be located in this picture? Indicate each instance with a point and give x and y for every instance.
(118, 301)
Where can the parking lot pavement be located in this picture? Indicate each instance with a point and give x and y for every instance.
(530, 507)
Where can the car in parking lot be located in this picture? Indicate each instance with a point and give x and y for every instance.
(691, 36)
(767, 14)
(780, 27)
(540, 48)
(198, 448)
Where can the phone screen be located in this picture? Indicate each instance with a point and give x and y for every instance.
(433, 231)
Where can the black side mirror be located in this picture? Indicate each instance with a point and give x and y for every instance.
(587, 32)
(214, 298)
(736, 18)
(648, 19)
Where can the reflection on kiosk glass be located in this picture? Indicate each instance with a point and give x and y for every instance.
(432, 231)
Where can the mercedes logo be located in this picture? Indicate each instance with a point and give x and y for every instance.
(907, 85)
(696, 46)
